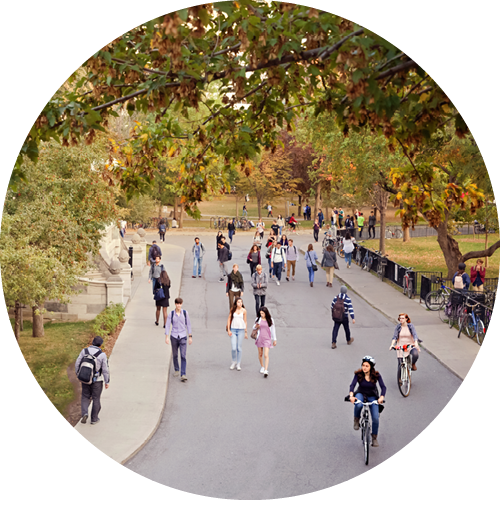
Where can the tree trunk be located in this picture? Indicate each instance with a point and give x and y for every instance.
(259, 207)
(21, 320)
(17, 320)
(237, 198)
(38, 330)
(381, 241)
(286, 206)
(176, 206)
(181, 216)
(406, 234)
(317, 200)
(449, 247)
(300, 201)
(486, 246)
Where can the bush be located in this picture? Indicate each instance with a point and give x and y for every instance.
(108, 320)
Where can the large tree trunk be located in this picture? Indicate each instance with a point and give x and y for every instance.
(317, 200)
(300, 201)
(406, 234)
(176, 207)
(237, 198)
(38, 330)
(17, 320)
(259, 207)
(181, 216)
(449, 247)
(381, 200)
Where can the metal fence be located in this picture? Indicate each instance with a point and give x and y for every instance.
(421, 230)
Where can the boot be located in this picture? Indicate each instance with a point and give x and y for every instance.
(374, 440)
(311, 285)
(356, 423)
(414, 367)
(351, 340)
(334, 345)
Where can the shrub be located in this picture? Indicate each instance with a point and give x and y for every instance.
(108, 320)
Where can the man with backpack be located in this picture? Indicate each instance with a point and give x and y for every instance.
(341, 309)
(181, 331)
(154, 252)
(92, 371)
(291, 259)
(461, 281)
(278, 261)
(162, 228)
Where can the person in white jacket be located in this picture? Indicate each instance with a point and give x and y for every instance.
(266, 337)
(278, 261)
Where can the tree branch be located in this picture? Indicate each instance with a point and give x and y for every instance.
(396, 69)
(488, 252)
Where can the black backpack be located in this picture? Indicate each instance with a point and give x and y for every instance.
(155, 252)
(338, 310)
(185, 318)
(88, 367)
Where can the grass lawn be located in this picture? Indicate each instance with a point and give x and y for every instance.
(424, 253)
(48, 357)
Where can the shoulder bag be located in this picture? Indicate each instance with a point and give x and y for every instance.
(314, 266)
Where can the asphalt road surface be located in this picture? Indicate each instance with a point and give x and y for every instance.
(235, 434)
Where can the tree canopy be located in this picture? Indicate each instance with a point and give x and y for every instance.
(250, 66)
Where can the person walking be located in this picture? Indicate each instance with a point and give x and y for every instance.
(316, 228)
(341, 310)
(237, 330)
(180, 334)
(154, 251)
(329, 263)
(291, 259)
(154, 271)
(284, 240)
(278, 261)
(348, 246)
(341, 217)
(308, 212)
(162, 282)
(231, 230)
(372, 220)
(269, 210)
(366, 379)
(259, 285)
(349, 226)
(477, 276)
(162, 228)
(361, 223)
(244, 213)
(101, 377)
(266, 337)
(198, 252)
(304, 211)
(271, 242)
(281, 224)
(257, 240)
(311, 258)
(235, 285)
(275, 229)
(321, 218)
(253, 258)
(260, 228)
(223, 258)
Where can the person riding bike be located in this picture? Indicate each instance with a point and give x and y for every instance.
(366, 379)
(406, 335)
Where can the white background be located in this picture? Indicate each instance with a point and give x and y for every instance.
(49, 472)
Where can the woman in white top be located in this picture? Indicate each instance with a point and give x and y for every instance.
(266, 336)
(237, 330)
(348, 246)
(281, 223)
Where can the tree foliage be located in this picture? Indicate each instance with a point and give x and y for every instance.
(251, 66)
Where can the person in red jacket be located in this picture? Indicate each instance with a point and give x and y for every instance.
(477, 275)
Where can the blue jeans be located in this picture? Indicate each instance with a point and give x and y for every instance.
(237, 336)
(348, 260)
(197, 265)
(373, 409)
(281, 229)
(230, 233)
(270, 269)
(311, 274)
(179, 344)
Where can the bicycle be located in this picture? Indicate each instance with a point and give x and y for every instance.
(391, 233)
(213, 223)
(365, 426)
(452, 311)
(382, 263)
(358, 255)
(436, 299)
(408, 283)
(367, 261)
(404, 368)
(471, 323)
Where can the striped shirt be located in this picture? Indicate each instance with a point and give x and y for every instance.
(348, 309)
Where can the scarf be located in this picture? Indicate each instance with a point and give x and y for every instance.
(237, 278)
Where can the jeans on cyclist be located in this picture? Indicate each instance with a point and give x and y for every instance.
(414, 356)
(373, 409)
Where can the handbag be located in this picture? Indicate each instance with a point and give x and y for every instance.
(313, 266)
(159, 294)
(254, 333)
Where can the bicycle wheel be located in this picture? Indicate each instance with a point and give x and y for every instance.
(341, 253)
(480, 332)
(366, 443)
(463, 323)
(435, 300)
(398, 233)
(405, 286)
(381, 271)
(409, 289)
(388, 234)
(404, 379)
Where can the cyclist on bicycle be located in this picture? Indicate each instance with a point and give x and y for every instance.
(366, 378)
(406, 335)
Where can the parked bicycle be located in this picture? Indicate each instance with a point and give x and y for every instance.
(453, 309)
(436, 299)
(365, 425)
(392, 232)
(382, 263)
(408, 287)
(470, 321)
(404, 368)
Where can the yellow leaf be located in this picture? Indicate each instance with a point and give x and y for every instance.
(172, 150)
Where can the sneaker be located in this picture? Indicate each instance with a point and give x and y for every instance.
(351, 340)
(95, 422)
(293, 278)
(194, 276)
(278, 283)
(184, 378)
(221, 280)
(266, 373)
(238, 367)
(334, 345)
(414, 367)
(232, 366)
(199, 276)
(288, 278)
(262, 370)
(86, 416)
(176, 373)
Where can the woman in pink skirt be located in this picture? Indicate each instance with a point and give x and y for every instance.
(266, 337)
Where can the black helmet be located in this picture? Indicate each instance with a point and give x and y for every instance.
(461, 266)
(369, 359)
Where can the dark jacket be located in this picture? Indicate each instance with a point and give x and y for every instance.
(223, 254)
(229, 283)
(329, 259)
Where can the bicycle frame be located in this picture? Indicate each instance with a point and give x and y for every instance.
(366, 426)
(404, 368)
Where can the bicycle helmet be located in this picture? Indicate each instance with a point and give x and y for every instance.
(369, 359)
